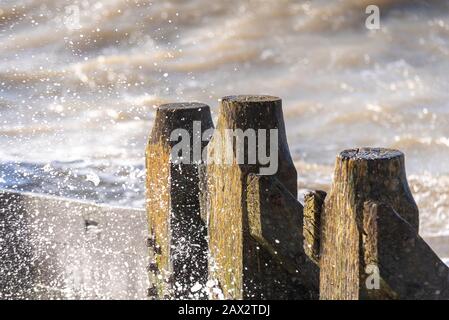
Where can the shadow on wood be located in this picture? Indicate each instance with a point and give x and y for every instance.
(407, 266)
(277, 223)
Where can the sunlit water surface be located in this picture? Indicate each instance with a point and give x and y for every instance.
(77, 97)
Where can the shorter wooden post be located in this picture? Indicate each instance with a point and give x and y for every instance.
(313, 208)
(177, 232)
(361, 175)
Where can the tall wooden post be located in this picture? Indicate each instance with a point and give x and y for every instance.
(177, 234)
(240, 265)
(361, 175)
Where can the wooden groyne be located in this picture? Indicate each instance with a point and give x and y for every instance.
(228, 230)
(56, 248)
(248, 237)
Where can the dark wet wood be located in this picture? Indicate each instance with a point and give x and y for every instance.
(177, 233)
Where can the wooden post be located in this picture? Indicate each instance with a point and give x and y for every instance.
(368, 174)
(240, 265)
(177, 233)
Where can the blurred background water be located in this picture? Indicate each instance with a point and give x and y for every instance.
(79, 81)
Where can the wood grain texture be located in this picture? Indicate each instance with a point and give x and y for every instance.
(313, 208)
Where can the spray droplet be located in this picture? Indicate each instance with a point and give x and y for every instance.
(92, 177)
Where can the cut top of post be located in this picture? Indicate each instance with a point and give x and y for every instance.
(172, 107)
(248, 98)
(252, 117)
(370, 154)
(252, 112)
(181, 115)
(377, 174)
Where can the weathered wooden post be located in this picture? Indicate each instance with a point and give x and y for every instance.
(351, 247)
(177, 233)
(243, 268)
